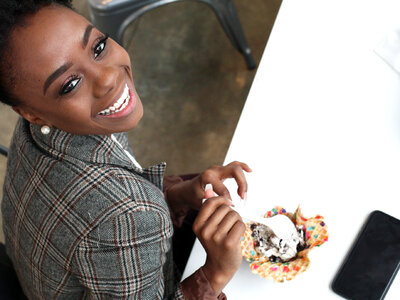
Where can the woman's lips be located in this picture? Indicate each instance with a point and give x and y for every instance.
(122, 112)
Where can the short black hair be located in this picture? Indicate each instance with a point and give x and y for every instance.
(12, 14)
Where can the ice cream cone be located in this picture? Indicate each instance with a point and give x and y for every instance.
(316, 234)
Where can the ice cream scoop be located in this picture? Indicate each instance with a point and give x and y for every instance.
(279, 239)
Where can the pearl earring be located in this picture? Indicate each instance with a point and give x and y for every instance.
(45, 129)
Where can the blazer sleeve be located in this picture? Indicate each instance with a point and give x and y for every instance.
(123, 258)
(179, 215)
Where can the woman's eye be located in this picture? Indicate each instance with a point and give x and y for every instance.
(69, 86)
(100, 46)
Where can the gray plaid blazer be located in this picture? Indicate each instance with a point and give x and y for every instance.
(81, 221)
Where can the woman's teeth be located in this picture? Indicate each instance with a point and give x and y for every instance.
(119, 105)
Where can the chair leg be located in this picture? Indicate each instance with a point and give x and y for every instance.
(3, 150)
(226, 13)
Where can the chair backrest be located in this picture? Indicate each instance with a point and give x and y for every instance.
(3, 150)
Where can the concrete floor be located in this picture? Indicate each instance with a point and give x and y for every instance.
(192, 81)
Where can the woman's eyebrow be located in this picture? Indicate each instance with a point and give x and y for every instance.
(65, 67)
(86, 35)
(55, 75)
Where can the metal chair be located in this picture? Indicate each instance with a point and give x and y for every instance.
(3, 150)
(114, 16)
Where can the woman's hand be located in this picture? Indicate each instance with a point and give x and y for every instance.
(217, 174)
(191, 193)
(219, 229)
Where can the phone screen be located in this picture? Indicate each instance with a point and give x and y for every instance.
(373, 261)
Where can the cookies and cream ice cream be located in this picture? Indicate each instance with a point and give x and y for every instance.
(280, 241)
(269, 256)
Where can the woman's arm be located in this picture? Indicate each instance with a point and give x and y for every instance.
(178, 212)
(217, 226)
(124, 257)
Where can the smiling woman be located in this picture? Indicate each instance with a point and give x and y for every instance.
(78, 74)
(82, 219)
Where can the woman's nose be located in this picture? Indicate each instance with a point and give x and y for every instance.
(106, 79)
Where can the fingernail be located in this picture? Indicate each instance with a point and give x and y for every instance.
(244, 196)
(208, 187)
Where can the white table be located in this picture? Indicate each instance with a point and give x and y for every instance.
(321, 128)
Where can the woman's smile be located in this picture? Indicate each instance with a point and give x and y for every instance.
(121, 107)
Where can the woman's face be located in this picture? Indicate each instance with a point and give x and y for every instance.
(70, 76)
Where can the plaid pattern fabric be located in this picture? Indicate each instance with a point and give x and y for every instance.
(82, 222)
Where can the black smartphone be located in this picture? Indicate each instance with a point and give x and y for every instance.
(372, 262)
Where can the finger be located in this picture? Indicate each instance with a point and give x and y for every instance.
(207, 209)
(242, 165)
(235, 169)
(220, 188)
(213, 223)
(237, 173)
(228, 221)
(208, 192)
(241, 181)
(237, 231)
(232, 239)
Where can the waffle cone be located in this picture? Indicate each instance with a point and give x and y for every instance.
(316, 234)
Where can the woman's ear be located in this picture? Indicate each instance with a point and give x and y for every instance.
(29, 116)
